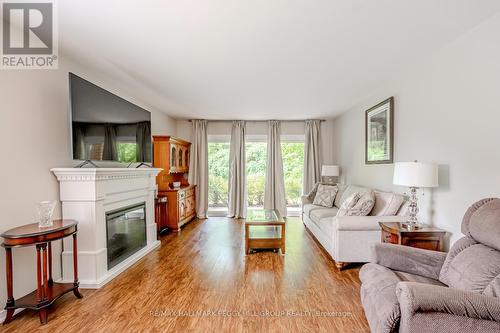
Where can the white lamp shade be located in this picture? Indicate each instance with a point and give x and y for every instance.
(415, 174)
(330, 170)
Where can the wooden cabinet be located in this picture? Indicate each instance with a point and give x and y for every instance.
(172, 155)
(428, 238)
(181, 206)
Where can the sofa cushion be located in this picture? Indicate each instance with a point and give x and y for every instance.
(342, 188)
(378, 295)
(386, 203)
(310, 196)
(318, 214)
(308, 208)
(472, 269)
(484, 224)
(325, 195)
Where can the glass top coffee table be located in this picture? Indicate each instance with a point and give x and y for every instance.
(264, 229)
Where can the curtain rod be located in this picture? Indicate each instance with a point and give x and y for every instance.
(255, 121)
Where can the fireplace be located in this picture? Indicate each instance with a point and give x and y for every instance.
(125, 232)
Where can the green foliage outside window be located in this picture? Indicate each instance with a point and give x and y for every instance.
(218, 166)
(127, 152)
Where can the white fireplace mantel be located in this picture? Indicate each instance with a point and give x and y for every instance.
(87, 194)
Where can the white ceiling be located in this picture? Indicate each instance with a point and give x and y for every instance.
(259, 59)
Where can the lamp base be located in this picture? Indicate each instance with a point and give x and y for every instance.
(412, 226)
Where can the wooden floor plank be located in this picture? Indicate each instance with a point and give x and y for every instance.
(204, 268)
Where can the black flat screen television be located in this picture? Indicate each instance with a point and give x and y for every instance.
(106, 127)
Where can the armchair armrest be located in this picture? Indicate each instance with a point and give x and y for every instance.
(416, 297)
(362, 222)
(305, 200)
(409, 259)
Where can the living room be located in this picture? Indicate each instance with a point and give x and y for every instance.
(334, 166)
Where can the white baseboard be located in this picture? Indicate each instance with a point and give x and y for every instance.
(117, 270)
(3, 314)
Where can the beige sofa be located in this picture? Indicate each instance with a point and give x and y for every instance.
(349, 238)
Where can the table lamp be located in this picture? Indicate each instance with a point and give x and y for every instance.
(330, 171)
(415, 175)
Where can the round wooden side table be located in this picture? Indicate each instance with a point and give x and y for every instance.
(47, 291)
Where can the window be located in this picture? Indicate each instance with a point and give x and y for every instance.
(256, 155)
(292, 150)
(218, 175)
(127, 151)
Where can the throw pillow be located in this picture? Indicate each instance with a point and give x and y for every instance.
(364, 205)
(325, 195)
(348, 204)
(312, 194)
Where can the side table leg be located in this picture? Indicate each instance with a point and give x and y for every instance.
(39, 290)
(51, 282)
(75, 268)
(10, 286)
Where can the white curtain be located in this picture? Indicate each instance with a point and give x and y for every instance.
(312, 155)
(274, 194)
(237, 172)
(198, 166)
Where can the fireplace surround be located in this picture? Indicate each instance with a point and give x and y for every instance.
(90, 195)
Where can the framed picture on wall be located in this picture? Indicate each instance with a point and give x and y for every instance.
(379, 133)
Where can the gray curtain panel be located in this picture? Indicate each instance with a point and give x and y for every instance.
(274, 193)
(110, 150)
(312, 155)
(198, 166)
(237, 172)
(143, 138)
(79, 141)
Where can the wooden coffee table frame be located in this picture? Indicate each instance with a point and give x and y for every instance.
(266, 243)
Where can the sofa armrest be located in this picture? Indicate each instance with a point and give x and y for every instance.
(305, 200)
(362, 222)
(416, 297)
(409, 259)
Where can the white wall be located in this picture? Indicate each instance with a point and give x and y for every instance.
(446, 111)
(34, 133)
(256, 128)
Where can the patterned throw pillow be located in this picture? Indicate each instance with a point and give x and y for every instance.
(361, 207)
(312, 194)
(325, 195)
(348, 204)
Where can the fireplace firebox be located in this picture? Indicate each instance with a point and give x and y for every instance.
(125, 232)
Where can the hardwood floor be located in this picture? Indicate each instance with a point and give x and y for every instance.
(204, 268)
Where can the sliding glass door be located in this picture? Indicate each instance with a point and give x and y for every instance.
(256, 151)
(292, 150)
(218, 175)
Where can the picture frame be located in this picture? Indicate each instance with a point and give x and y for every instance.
(379, 133)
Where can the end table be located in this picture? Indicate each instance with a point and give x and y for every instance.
(47, 291)
(427, 237)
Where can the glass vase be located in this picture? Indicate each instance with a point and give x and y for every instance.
(45, 210)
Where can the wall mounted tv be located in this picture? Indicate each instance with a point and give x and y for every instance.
(106, 127)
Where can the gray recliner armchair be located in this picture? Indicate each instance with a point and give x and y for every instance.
(405, 289)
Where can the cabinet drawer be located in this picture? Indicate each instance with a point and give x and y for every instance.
(190, 206)
(190, 192)
(182, 209)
